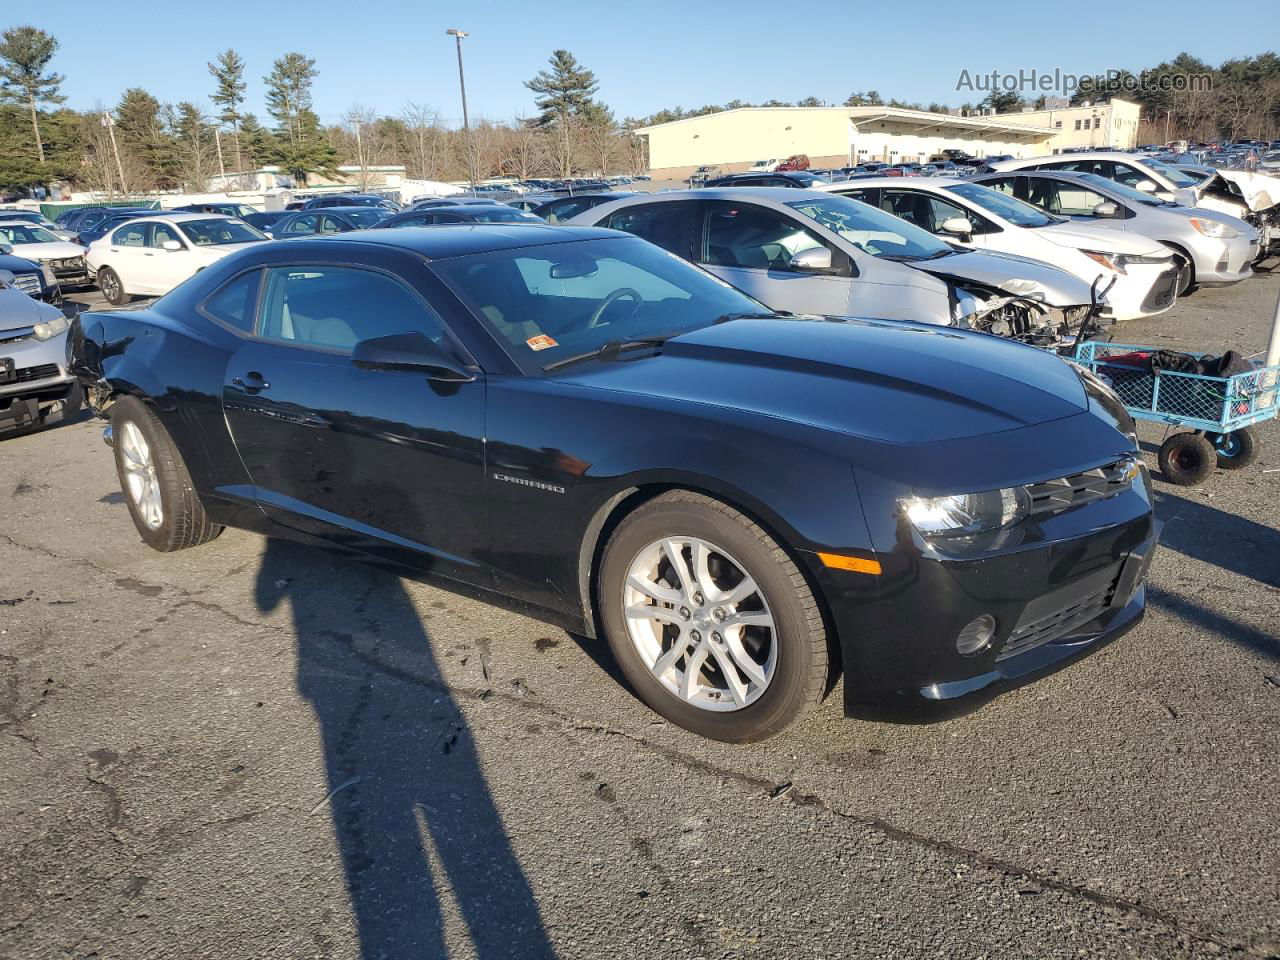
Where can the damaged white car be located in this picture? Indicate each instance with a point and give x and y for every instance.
(810, 252)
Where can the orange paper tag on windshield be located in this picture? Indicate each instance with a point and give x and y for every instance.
(541, 342)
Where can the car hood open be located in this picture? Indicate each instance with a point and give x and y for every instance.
(882, 380)
(1018, 276)
(1258, 191)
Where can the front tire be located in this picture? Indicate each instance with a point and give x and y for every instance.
(157, 487)
(711, 620)
(112, 289)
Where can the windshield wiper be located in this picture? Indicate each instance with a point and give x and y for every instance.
(608, 350)
(771, 315)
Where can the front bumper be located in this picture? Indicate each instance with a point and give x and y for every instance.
(1143, 291)
(33, 376)
(1053, 603)
(1231, 261)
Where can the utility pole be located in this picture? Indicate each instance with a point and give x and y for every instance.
(1168, 115)
(222, 170)
(458, 35)
(109, 122)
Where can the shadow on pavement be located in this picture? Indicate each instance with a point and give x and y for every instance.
(411, 810)
(1227, 540)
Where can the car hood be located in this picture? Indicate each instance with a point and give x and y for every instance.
(58, 250)
(1258, 190)
(881, 380)
(19, 310)
(1083, 236)
(1019, 276)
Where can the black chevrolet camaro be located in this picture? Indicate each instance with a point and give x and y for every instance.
(577, 425)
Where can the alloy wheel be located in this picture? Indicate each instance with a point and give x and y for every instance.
(141, 482)
(700, 623)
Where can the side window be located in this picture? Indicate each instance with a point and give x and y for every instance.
(234, 304)
(337, 307)
(1129, 176)
(1063, 197)
(330, 224)
(744, 235)
(305, 223)
(130, 235)
(162, 233)
(1003, 184)
(668, 225)
(447, 218)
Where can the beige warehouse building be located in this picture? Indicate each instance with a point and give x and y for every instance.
(734, 140)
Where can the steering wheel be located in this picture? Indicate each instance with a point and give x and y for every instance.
(610, 300)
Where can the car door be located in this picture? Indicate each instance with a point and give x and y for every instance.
(388, 462)
(127, 255)
(168, 268)
(751, 247)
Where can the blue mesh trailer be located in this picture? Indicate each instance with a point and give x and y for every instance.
(1216, 412)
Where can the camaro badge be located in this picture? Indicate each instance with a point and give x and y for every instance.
(536, 484)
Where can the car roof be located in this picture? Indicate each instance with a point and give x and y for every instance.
(354, 208)
(931, 184)
(14, 223)
(769, 196)
(465, 239)
(182, 216)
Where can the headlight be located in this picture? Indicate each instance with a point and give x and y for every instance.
(967, 514)
(50, 328)
(1215, 229)
(1111, 261)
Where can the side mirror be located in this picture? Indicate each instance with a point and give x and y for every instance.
(959, 226)
(1146, 186)
(410, 351)
(173, 246)
(813, 260)
(1106, 209)
(6, 249)
(7, 278)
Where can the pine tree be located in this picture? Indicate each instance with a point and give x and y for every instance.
(289, 92)
(24, 54)
(228, 73)
(258, 146)
(564, 92)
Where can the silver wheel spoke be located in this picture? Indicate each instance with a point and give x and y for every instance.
(668, 659)
(702, 571)
(740, 592)
(140, 480)
(737, 689)
(692, 671)
(743, 660)
(649, 611)
(654, 591)
(675, 556)
(752, 618)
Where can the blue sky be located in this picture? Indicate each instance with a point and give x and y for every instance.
(646, 55)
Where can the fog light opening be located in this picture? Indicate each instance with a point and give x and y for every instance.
(976, 635)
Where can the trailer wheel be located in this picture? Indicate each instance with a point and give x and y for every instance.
(1236, 449)
(1187, 459)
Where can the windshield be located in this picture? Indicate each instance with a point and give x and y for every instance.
(870, 230)
(23, 233)
(1002, 205)
(205, 233)
(1179, 178)
(1119, 189)
(548, 302)
(367, 218)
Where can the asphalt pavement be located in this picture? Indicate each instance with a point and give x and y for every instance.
(254, 749)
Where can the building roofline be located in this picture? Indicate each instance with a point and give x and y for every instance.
(992, 122)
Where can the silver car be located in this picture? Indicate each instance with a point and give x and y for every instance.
(807, 251)
(1219, 247)
(36, 387)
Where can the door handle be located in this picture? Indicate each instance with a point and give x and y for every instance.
(251, 382)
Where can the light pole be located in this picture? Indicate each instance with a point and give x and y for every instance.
(109, 122)
(466, 121)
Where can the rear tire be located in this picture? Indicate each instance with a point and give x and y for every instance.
(1235, 450)
(1187, 459)
(788, 658)
(112, 289)
(161, 498)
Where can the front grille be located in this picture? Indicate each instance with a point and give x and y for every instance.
(1058, 623)
(42, 372)
(28, 283)
(1052, 496)
(16, 335)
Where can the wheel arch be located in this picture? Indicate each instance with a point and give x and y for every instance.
(1183, 252)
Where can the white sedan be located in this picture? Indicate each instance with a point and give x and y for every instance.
(64, 259)
(1147, 275)
(152, 255)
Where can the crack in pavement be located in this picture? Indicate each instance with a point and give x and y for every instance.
(782, 790)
